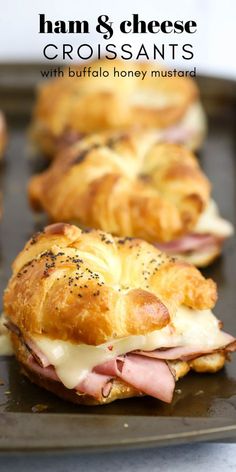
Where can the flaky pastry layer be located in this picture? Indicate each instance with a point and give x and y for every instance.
(90, 287)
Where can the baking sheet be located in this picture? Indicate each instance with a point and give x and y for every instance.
(204, 406)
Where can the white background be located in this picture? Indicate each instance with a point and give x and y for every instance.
(214, 43)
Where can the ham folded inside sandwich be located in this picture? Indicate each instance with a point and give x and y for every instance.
(94, 318)
(205, 241)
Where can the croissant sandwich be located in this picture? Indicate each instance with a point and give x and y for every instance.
(95, 318)
(131, 185)
(69, 107)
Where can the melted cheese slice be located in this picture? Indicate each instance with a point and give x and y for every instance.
(73, 362)
(211, 222)
(194, 119)
(6, 348)
(200, 258)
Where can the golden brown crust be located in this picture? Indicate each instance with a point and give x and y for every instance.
(71, 106)
(120, 390)
(180, 368)
(90, 287)
(126, 184)
(209, 363)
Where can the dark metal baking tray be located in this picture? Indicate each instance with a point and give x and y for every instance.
(204, 406)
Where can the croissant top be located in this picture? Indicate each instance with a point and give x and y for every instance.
(90, 287)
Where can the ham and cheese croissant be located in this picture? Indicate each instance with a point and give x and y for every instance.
(131, 185)
(69, 107)
(95, 318)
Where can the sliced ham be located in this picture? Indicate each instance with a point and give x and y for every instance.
(173, 353)
(107, 389)
(178, 134)
(36, 352)
(31, 345)
(47, 372)
(181, 353)
(186, 353)
(148, 375)
(112, 367)
(148, 372)
(95, 385)
(190, 242)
